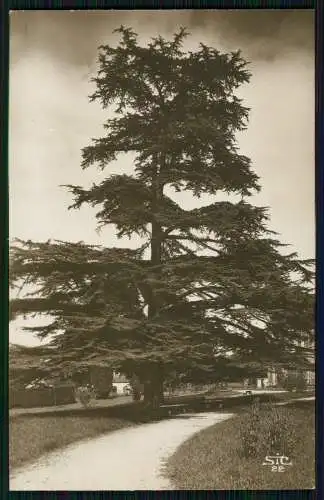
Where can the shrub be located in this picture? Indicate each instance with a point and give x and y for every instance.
(85, 395)
(249, 431)
(292, 381)
(266, 430)
(300, 382)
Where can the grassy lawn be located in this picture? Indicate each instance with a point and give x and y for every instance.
(212, 459)
(98, 403)
(32, 436)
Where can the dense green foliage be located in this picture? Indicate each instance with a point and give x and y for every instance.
(207, 281)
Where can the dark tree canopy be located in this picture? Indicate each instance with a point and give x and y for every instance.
(209, 289)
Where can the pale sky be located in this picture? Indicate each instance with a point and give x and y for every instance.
(52, 58)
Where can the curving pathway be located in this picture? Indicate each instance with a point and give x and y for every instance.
(128, 459)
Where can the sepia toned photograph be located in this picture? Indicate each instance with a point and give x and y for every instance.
(162, 246)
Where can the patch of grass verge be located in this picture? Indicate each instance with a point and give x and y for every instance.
(217, 457)
(32, 436)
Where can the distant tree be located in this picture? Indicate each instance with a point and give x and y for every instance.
(26, 364)
(292, 380)
(209, 289)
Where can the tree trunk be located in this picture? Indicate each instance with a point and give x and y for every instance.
(153, 387)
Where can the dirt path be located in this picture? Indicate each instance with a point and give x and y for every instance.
(129, 459)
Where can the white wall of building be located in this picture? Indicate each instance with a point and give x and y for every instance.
(120, 386)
